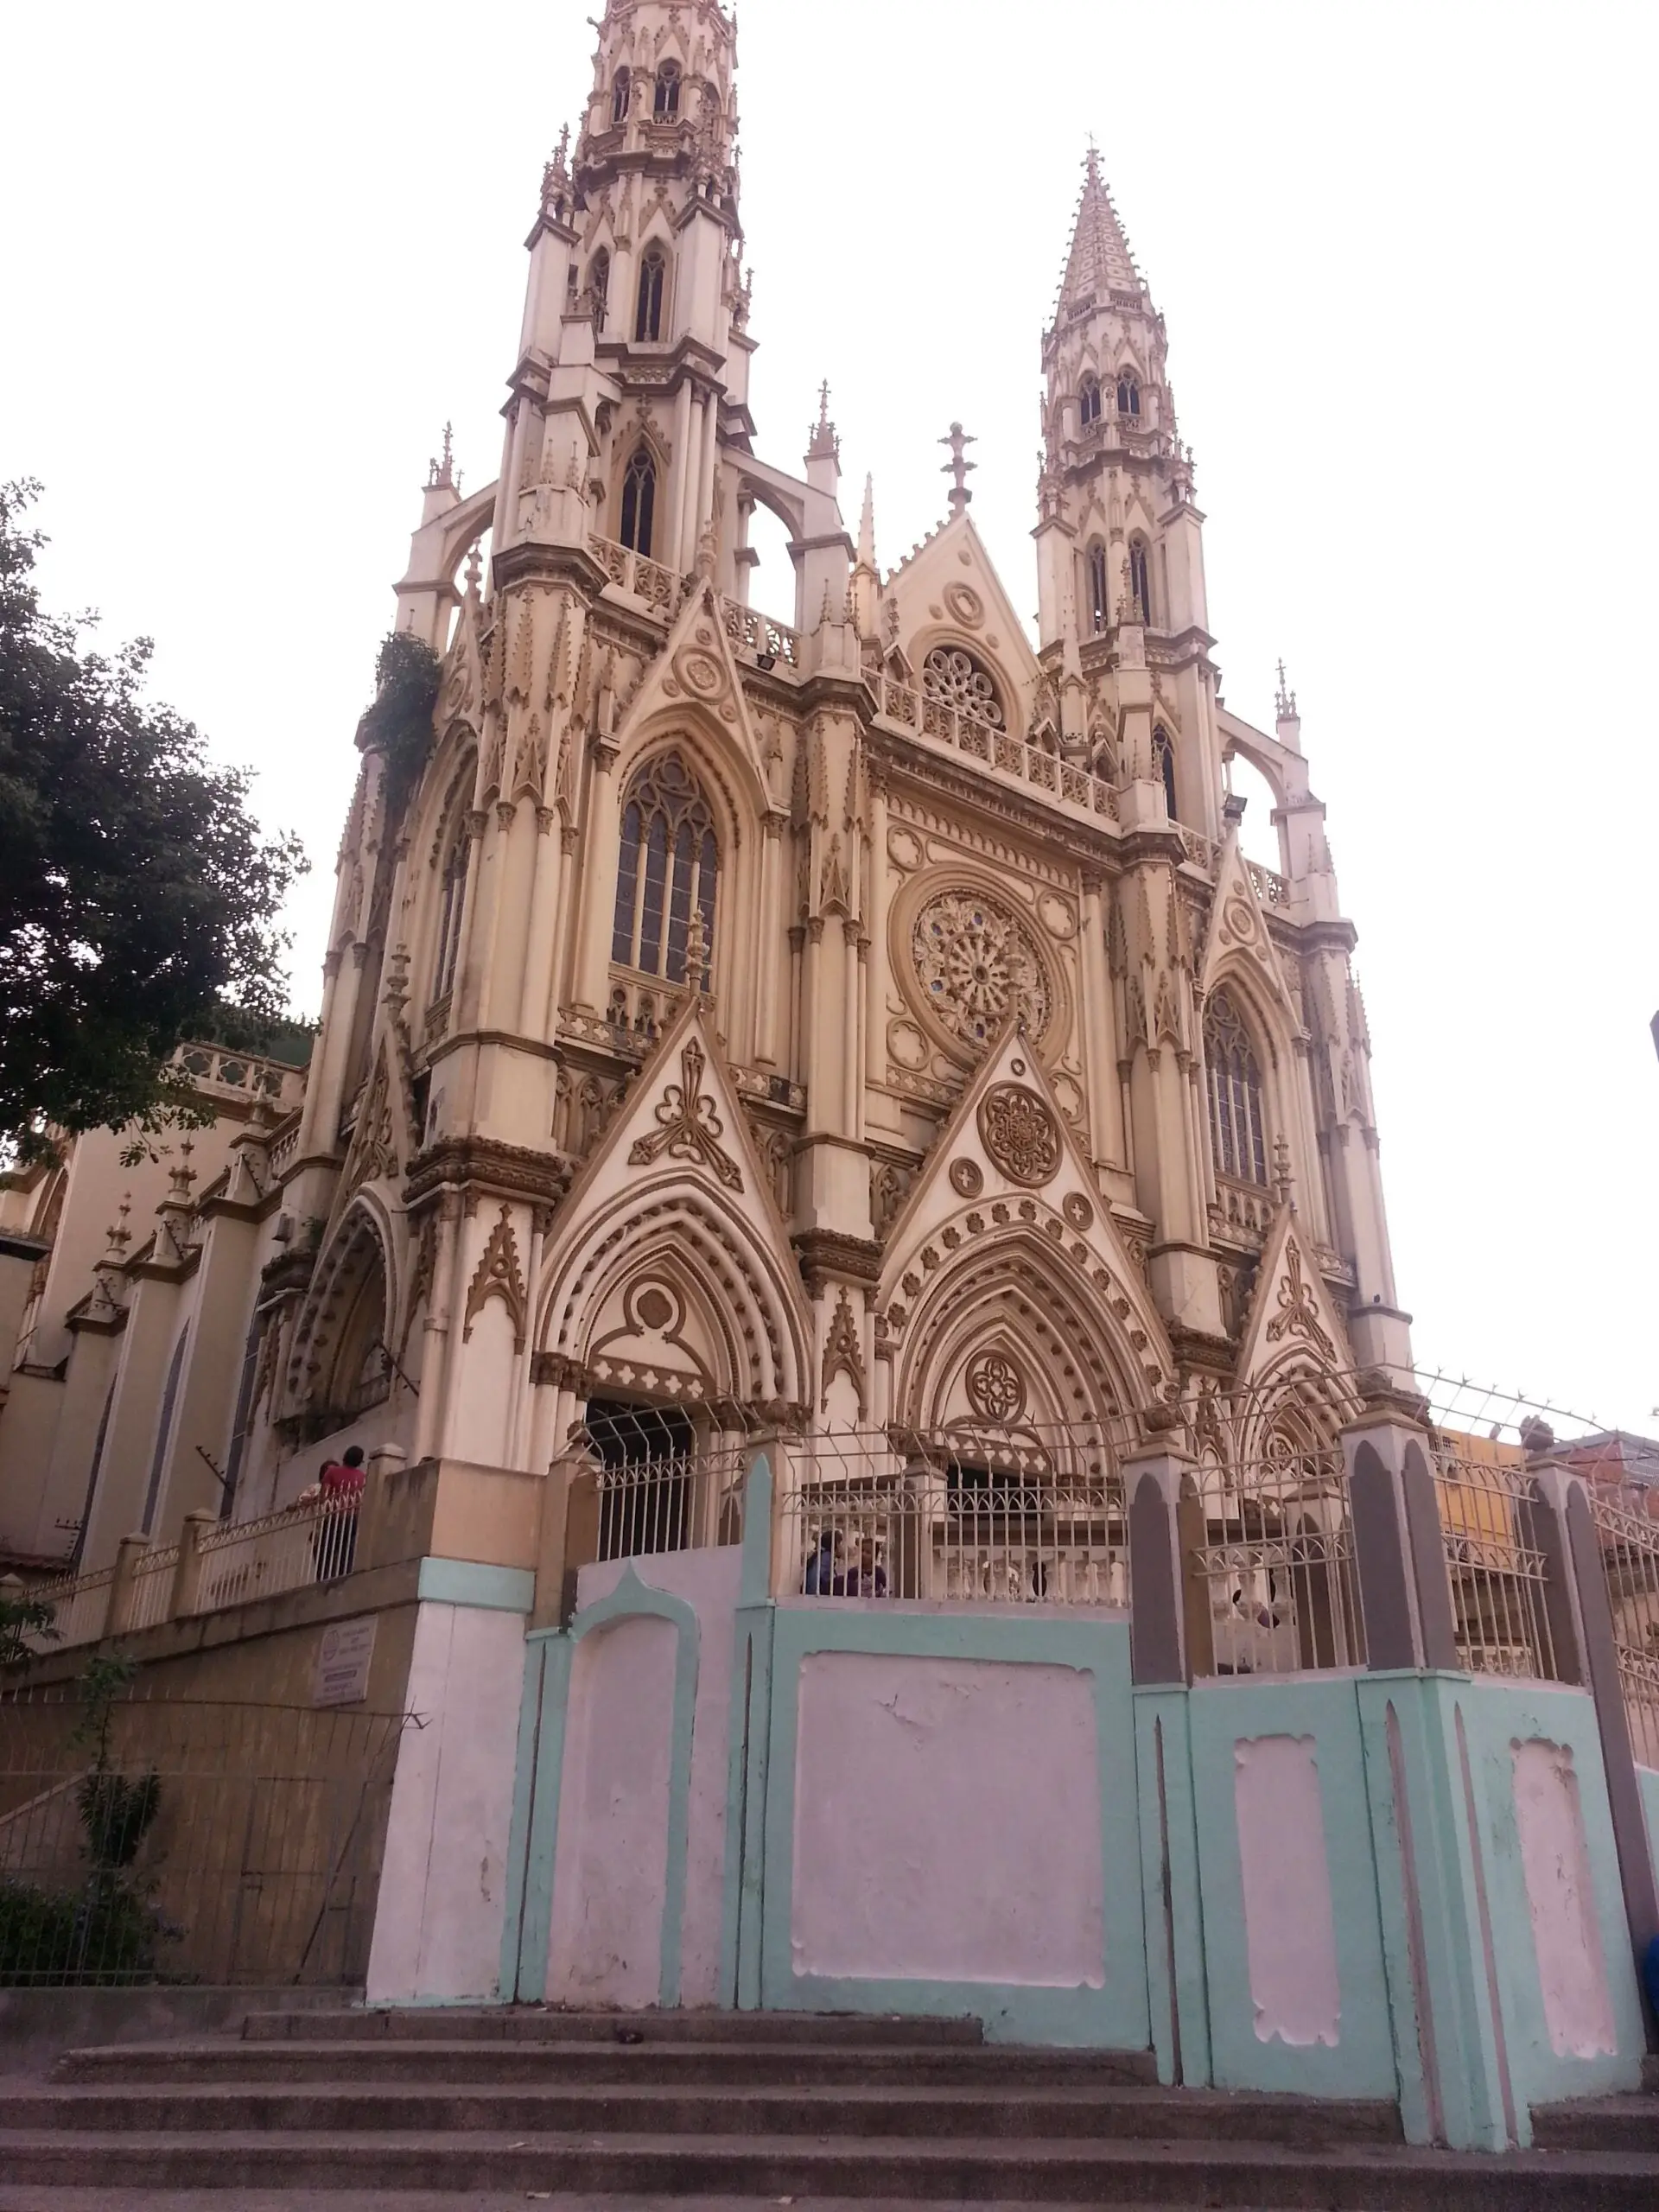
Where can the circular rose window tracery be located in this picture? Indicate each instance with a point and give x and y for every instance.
(958, 680)
(976, 963)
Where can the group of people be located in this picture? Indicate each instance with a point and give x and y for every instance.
(828, 1576)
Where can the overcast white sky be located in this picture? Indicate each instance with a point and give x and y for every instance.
(254, 257)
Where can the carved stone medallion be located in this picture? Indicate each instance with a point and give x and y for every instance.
(1078, 1210)
(976, 963)
(1020, 1134)
(967, 1178)
(996, 1390)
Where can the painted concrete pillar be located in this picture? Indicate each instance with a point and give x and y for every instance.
(1561, 1526)
(1399, 1552)
(1157, 1640)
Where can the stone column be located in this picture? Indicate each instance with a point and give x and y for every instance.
(1157, 1637)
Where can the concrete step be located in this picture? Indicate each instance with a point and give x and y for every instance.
(535, 2023)
(1358, 2178)
(1599, 2124)
(671, 2064)
(865, 2115)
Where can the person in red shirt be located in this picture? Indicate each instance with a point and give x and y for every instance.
(335, 1541)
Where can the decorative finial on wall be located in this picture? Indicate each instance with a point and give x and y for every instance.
(824, 443)
(1285, 701)
(696, 951)
(1283, 1182)
(959, 466)
(442, 474)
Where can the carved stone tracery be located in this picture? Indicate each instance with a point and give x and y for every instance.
(1020, 1134)
(976, 963)
(689, 1125)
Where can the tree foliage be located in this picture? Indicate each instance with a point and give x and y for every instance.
(400, 723)
(138, 898)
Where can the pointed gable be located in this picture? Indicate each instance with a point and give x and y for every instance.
(695, 676)
(1006, 1161)
(949, 592)
(668, 1269)
(1294, 1321)
(1237, 940)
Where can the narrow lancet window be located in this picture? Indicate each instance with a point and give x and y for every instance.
(1089, 401)
(1140, 584)
(1237, 1129)
(653, 276)
(1098, 612)
(452, 900)
(1129, 396)
(668, 867)
(639, 502)
(620, 92)
(667, 92)
(599, 285)
(1163, 762)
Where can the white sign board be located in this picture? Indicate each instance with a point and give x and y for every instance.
(344, 1657)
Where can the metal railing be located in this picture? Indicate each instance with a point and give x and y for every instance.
(985, 1516)
(1630, 1554)
(213, 1566)
(216, 1843)
(674, 1502)
(1270, 1546)
(913, 711)
(1497, 1578)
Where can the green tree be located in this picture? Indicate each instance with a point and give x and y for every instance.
(138, 898)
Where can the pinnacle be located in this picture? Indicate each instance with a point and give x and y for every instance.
(1100, 256)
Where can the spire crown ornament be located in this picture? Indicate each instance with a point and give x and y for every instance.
(959, 467)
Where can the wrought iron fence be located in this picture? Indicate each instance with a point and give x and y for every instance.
(212, 1842)
(967, 1515)
(1270, 1546)
(1630, 1553)
(1498, 1576)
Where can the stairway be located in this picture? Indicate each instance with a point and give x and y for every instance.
(510, 2106)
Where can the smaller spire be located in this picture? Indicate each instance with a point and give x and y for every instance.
(696, 951)
(825, 442)
(1283, 1181)
(867, 528)
(120, 1235)
(441, 474)
(1285, 701)
(959, 467)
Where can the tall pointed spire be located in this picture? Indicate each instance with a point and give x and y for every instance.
(1100, 258)
(867, 528)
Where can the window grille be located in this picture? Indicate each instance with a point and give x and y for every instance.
(653, 277)
(957, 679)
(639, 503)
(1237, 1127)
(668, 864)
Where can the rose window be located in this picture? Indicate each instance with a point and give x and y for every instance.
(976, 965)
(956, 679)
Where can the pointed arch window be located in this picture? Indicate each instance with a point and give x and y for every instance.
(452, 902)
(1163, 763)
(1237, 1125)
(639, 502)
(668, 866)
(667, 105)
(1089, 401)
(1140, 581)
(621, 92)
(599, 284)
(653, 279)
(1129, 396)
(1098, 610)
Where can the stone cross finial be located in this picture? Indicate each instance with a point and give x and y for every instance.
(959, 466)
(1285, 701)
(824, 443)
